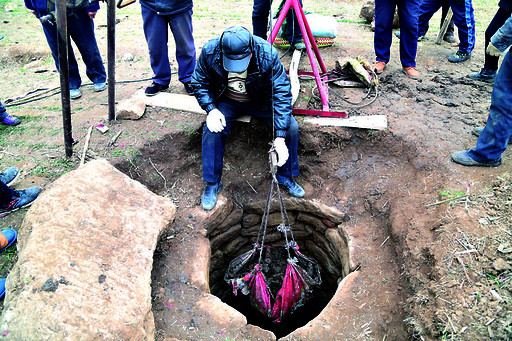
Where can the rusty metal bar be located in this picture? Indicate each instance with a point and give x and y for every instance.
(111, 57)
(62, 39)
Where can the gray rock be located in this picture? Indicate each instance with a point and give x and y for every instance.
(85, 257)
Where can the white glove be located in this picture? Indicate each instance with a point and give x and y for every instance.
(493, 51)
(215, 121)
(281, 150)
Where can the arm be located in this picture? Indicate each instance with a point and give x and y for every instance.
(282, 96)
(200, 81)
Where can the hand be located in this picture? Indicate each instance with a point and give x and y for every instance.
(215, 121)
(92, 15)
(493, 51)
(281, 150)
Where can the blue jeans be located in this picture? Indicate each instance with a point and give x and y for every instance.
(463, 18)
(81, 30)
(260, 14)
(157, 36)
(493, 140)
(408, 11)
(3, 112)
(5, 194)
(214, 143)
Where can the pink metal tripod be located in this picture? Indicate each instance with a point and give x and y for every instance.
(311, 47)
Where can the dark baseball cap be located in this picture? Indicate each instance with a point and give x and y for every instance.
(236, 49)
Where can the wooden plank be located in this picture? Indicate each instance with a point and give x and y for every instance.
(294, 77)
(377, 122)
(178, 102)
(446, 23)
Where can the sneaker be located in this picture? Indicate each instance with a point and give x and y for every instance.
(397, 34)
(100, 86)
(463, 158)
(75, 93)
(188, 88)
(20, 198)
(299, 46)
(379, 66)
(9, 176)
(155, 88)
(411, 72)
(11, 120)
(291, 186)
(209, 197)
(450, 39)
(484, 75)
(478, 130)
(7, 237)
(459, 57)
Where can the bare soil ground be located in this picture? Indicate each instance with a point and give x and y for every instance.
(445, 229)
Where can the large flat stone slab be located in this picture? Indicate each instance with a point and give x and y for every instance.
(85, 258)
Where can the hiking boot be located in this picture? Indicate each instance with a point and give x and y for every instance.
(75, 93)
(450, 39)
(379, 66)
(411, 72)
(209, 197)
(100, 86)
(188, 88)
(459, 57)
(485, 75)
(9, 176)
(7, 237)
(155, 88)
(478, 130)
(20, 198)
(463, 158)
(291, 186)
(10, 120)
(299, 46)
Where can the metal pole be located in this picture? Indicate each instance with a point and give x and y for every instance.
(62, 39)
(111, 56)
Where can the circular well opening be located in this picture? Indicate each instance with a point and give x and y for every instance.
(316, 230)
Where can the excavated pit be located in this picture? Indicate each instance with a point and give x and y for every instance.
(317, 236)
(354, 180)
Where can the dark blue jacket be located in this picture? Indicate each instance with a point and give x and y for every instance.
(266, 83)
(167, 7)
(40, 6)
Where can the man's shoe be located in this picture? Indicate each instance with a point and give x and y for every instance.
(450, 39)
(459, 57)
(463, 158)
(484, 75)
(10, 120)
(75, 93)
(188, 89)
(291, 186)
(9, 176)
(20, 198)
(7, 237)
(379, 66)
(299, 46)
(411, 72)
(155, 88)
(100, 87)
(209, 198)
